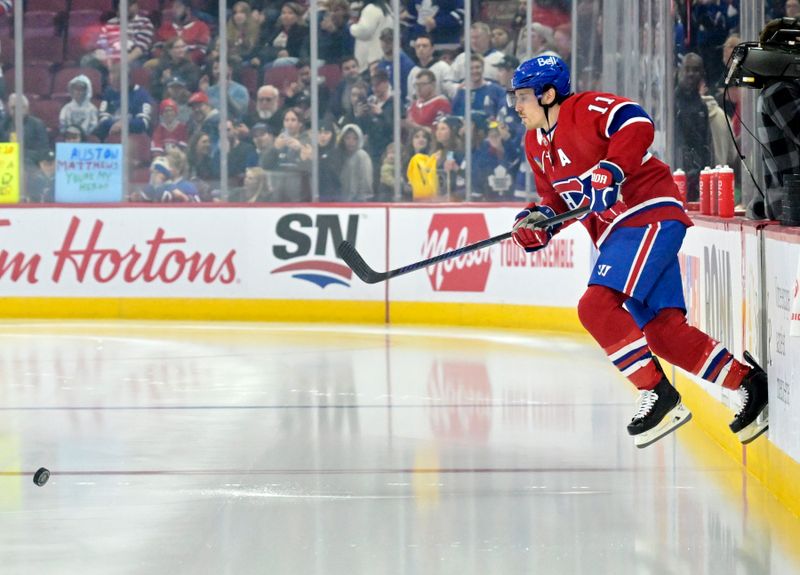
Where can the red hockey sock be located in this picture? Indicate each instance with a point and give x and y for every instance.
(672, 338)
(601, 313)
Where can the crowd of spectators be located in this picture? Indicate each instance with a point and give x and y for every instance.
(173, 115)
(174, 99)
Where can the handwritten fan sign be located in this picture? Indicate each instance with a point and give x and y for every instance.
(88, 173)
(9, 173)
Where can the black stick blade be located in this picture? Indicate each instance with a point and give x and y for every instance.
(353, 259)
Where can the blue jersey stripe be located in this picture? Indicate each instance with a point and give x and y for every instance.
(625, 113)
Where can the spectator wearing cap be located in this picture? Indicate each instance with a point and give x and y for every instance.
(36, 139)
(178, 92)
(267, 110)
(170, 132)
(167, 181)
(387, 62)
(140, 107)
(493, 172)
(160, 175)
(487, 97)
(505, 71)
(429, 103)
(238, 96)
(481, 38)
(374, 17)
(263, 141)
(443, 20)
(174, 62)
(289, 38)
(510, 128)
(377, 123)
(184, 24)
(79, 111)
(299, 92)
(41, 180)
(423, 48)
(180, 189)
(204, 118)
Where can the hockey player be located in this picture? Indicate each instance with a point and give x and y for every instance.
(591, 149)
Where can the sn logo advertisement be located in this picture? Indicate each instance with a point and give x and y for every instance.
(308, 244)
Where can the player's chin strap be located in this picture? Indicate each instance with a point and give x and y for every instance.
(546, 107)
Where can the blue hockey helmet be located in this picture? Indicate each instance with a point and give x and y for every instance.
(540, 73)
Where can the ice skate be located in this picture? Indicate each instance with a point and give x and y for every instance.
(659, 412)
(753, 418)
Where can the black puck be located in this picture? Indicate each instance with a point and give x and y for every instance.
(41, 476)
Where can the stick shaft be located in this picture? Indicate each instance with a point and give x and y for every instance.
(353, 259)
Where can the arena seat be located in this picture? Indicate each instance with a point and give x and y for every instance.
(280, 76)
(37, 83)
(43, 50)
(47, 111)
(332, 74)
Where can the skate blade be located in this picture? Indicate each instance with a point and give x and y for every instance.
(672, 421)
(759, 426)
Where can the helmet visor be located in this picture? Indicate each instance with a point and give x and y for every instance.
(511, 99)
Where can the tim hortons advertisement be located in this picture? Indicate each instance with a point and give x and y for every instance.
(782, 250)
(238, 253)
(711, 261)
(502, 273)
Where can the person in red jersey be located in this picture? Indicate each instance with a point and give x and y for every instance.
(591, 148)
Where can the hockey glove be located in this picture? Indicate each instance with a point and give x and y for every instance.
(525, 235)
(604, 193)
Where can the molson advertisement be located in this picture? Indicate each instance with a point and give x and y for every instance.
(503, 273)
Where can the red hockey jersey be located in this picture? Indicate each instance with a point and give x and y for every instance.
(594, 126)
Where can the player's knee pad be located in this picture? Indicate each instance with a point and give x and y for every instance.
(662, 330)
(597, 306)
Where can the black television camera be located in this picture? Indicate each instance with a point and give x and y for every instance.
(776, 57)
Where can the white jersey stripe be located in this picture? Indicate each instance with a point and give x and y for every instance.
(642, 341)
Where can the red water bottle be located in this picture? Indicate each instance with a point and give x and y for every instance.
(725, 192)
(715, 190)
(679, 177)
(705, 191)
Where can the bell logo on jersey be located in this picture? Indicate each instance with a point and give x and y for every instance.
(468, 272)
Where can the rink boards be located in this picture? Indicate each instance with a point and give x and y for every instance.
(279, 263)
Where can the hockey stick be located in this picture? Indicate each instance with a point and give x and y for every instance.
(353, 259)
